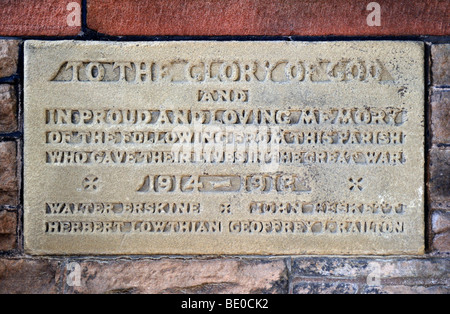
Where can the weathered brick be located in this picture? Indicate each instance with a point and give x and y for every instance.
(183, 276)
(440, 64)
(439, 180)
(403, 289)
(8, 174)
(324, 288)
(37, 18)
(8, 226)
(441, 242)
(8, 109)
(440, 221)
(267, 17)
(336, 275)
(344, 274)
(9, 56)
(324, 266)
(440, 116)
(21, 275)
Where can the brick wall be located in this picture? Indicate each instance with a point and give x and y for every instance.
(425, 20)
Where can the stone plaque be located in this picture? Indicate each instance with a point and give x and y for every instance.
(224, 147)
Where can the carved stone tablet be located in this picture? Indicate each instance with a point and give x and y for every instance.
(224, 147)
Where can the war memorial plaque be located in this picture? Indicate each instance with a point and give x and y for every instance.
(224, 147)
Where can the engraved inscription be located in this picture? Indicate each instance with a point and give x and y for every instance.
(226, 71)
(304, 115)
(223, 147)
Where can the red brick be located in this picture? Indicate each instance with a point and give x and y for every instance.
(8, 226)
(29, 276)
(267, 17)
(182, 276)
(8, 108)
(36, 18)
(9, 56)
(441, 64)
(440, 116)
(441, 242)
(8, 174)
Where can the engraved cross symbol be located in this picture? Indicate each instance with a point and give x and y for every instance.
(355, 184)
(225, 208)
(90, 183)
